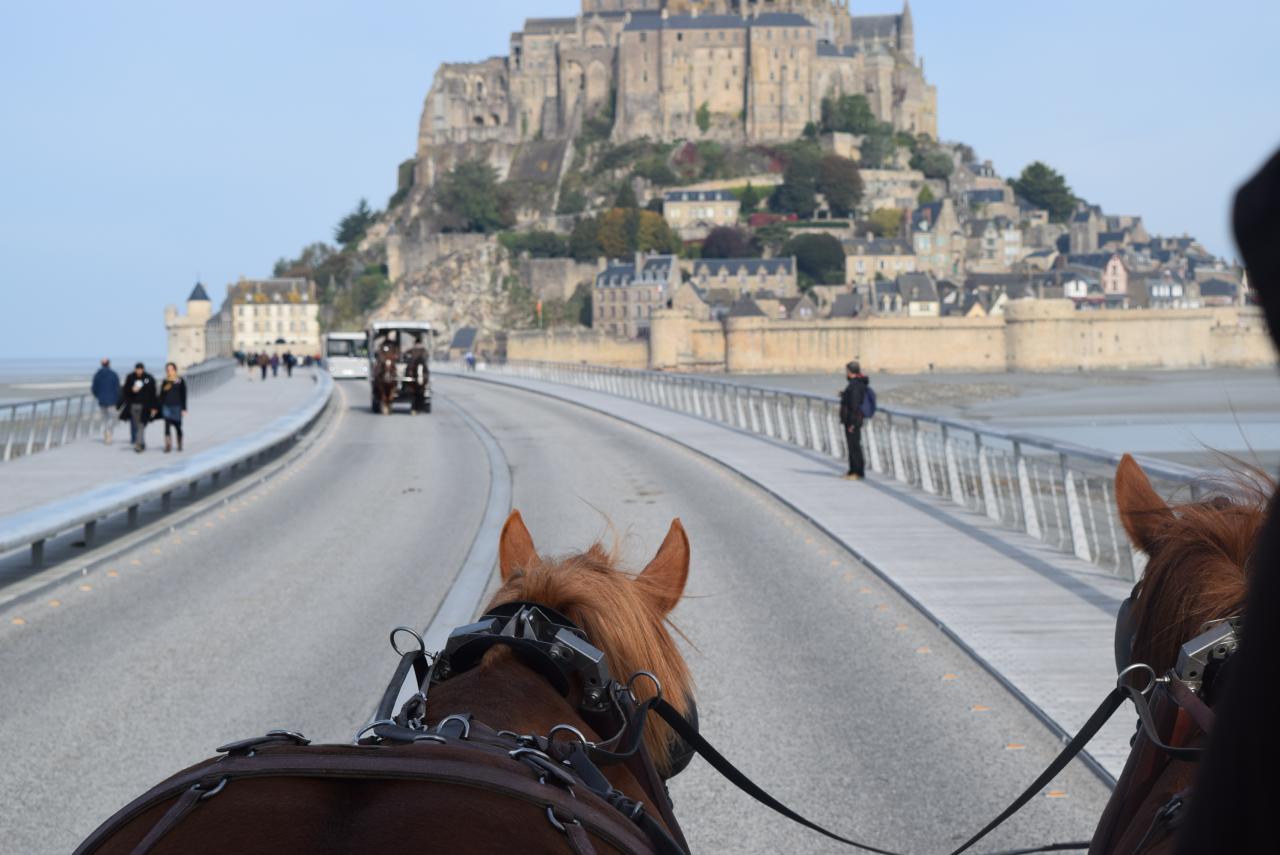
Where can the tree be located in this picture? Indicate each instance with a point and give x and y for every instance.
(623, 231)
(797, 194)
(351, 228)
(584, 240)
(729, 242)
(653, 234)
(470, 199)
(878, 146)
(750, 198)
(840, 182)
(934, 163)
(810, 131)
(886, 222)
(926, 195)
(773, 236)
(819, 257)
(655, 204)
(703, 117)
(1046, 188)
(539, 244)
(626, 196)
(572, 201)
(849, 114)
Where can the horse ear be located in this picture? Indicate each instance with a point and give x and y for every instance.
(1142, 510)
(666, 574)
(515, 546)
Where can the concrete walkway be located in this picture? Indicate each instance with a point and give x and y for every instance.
(235, 408)
(1040, 620)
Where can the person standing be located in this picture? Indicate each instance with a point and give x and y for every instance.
(417, 374)
(263, 364)
(289, 362)
(106, 391)
(173, 405)
(139, 397)
(853, 408)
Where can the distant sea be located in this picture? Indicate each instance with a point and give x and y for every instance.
(29, 379)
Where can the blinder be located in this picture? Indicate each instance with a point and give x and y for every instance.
(1200, 660)
(551, 644)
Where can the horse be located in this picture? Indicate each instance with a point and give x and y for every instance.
(385, 380)
(1199, 556)
(460, 781)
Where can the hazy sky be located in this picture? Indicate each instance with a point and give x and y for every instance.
(148, 143)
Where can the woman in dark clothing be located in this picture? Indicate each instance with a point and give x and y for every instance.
(173, 404)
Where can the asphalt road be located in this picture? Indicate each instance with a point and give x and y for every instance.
(812, 675)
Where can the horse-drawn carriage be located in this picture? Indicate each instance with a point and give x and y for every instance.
(398, 365)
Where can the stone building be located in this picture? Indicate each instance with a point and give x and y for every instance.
(187, 338)
(746, 275)
(274, 315)
(732, 70)
(626, 295)
(871, 258)
(938, 240)
(692, 214)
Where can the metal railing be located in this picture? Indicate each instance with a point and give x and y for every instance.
(1059, 493)
(27, 427)
(42, 523)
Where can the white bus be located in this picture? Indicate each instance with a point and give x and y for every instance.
(346, 355)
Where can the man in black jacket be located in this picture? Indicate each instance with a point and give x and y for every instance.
(851, 418)
(138, 398)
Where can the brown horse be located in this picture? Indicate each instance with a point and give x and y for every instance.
(385, 380)
(1199, 561)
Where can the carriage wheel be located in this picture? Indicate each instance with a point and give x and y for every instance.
(376, 405)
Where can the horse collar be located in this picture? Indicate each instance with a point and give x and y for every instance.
(541, 638)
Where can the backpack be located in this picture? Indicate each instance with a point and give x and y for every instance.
(868, 406)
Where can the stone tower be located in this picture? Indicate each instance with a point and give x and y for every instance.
(187, 345)
(906, 31)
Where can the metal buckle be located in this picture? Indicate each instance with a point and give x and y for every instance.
(422, 645)
(208, 794)
(466, 724)
(568, 728)
(1122, 683)
(555, 822)
(657, 684)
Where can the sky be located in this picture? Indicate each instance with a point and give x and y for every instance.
(147, 144)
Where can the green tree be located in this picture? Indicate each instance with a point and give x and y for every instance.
(703, 117)
(470, 200)
(819, 257)
(934, 163)
(810, 131)
(797, 194)
(840, 181)
(626, 196)
(886, 222)
(1045, 188)
(750, 198)
(773, 236)
(849, 114)
(925, 196)
(538, 243)
(584, 240)
(878, 146)
(729, 242)
(352, 227)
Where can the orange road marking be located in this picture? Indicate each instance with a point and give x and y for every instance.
(835, 563)
(922, 650)
(86, 587)
(53, 604)
(900, 627)
(950, 677)
(19, 622)
(1014, 746)
(864, 590)
(979, 708)
(136, 563)
(111, 574)
(883, 607)
(1056, 794)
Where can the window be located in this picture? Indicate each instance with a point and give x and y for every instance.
(679, 37)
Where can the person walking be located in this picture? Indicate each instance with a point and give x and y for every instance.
(289, 362)
(139, 402)
(857, 402)
(263, 364)
(106, 391)
(173, 405)
(275, 365)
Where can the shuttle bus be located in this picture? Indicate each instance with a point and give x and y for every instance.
(346, 355)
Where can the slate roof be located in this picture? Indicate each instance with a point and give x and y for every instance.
(878, 246)
(917, 288)
(656, 269)
(875, 26)
(198, 293)
(464, 339)
(754, 266)
(847, 306)
(1111, 237)
(655, 21)
(985, 196)
(1218, 288)
(746, 307)
(550, 25)
(698, 196)
(1096, 260)
(927, 213)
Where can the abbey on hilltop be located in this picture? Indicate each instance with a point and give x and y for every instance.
(729, 70)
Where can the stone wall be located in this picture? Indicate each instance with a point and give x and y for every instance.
(578, 345)
(1034, 335)
(555, 278)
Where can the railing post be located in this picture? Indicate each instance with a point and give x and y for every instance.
(1075, 520)
(953, 467)
(922, 455)
(895, 451)
(31, 431)
(870, 436)
(990, 503)
(1025, 494)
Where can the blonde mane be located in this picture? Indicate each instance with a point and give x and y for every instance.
(618, 612)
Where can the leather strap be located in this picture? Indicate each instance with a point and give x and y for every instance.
(174, 815)
(1153, 733)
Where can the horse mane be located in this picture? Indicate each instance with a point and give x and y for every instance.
(1199, 563)
(620, 618)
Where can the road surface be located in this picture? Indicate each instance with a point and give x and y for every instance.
(811, 674)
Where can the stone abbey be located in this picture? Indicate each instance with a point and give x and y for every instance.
(728, 70)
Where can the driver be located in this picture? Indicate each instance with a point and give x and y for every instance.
(417, 373)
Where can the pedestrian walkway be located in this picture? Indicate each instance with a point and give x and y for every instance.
(234, 409)
(1040, 620)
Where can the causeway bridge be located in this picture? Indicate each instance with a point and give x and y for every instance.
(902, 655)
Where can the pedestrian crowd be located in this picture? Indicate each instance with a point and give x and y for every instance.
(261, 363)
(140, 401)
